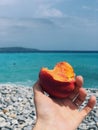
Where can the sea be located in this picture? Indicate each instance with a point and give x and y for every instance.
(22, 69)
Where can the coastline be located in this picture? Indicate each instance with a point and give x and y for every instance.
(17, 110)
(35, 50)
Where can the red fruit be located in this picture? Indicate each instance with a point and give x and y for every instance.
(59, 82)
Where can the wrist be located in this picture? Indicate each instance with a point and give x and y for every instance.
(45, 125)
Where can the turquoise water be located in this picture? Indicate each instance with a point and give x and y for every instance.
(23, 68)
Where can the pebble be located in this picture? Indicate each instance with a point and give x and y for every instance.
(17, 110)
(91, 121)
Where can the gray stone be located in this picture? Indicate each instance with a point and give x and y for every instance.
(93, 128)
(21, 121)
(83, 126)
(2, 119)
(28, 127)
(15, 122)
(5, 128)
(17, 110)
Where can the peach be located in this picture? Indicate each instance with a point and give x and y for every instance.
(58, 82)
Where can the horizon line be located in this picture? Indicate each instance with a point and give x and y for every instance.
(17, 48)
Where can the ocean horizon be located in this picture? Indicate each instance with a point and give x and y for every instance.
(22, 69)
(35, 50)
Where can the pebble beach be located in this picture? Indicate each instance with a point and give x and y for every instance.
(17, 110)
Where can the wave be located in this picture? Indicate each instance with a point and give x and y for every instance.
(28, 83)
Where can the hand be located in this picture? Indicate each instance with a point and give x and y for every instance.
(61, 114)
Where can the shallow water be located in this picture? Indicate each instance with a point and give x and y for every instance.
(23, 68)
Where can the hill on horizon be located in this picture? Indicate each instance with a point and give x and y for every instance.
(31, 50)
(17, 49)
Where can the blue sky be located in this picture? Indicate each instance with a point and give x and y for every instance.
(49, 24)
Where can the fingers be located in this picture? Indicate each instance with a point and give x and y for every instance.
(86, 110)
(79, 83)
(91, 103)
(81, 97)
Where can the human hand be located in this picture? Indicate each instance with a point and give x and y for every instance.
(61, 114)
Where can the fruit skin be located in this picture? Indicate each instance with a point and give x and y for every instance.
(55, 88)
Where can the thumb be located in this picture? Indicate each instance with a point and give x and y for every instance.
(37, 89)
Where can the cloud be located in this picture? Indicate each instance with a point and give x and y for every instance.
(47, 9)
(17, 28)
(11, 28)
(53, 33)
(35, 8)
(45, 23)
(69, 22)
(90, 8)
(48, 12)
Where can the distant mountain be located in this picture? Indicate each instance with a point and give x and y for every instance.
(31, 50)
(17, 49)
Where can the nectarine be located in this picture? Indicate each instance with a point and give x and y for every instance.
(59, 82)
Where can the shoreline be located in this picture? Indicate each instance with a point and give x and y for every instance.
(17, 110)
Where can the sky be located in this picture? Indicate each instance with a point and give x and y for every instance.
(49, 24)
